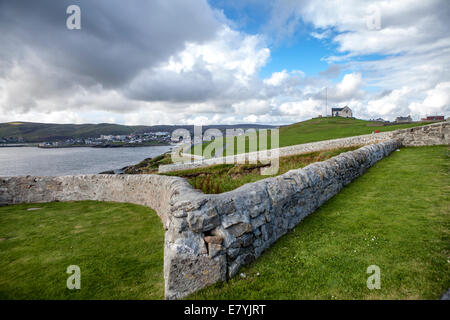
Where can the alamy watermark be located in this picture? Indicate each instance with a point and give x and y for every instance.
(373, 281)
(373, 17)
(238, 146)
(74, 280)
(73, 21)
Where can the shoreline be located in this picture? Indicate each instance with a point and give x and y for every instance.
(131, 166)
(16, 145)
(105, 146)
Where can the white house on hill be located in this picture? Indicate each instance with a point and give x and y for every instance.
(345, 112)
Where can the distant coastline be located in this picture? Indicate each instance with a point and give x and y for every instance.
(126, 145)
(13, 145)
(131, 145)
(108, 145)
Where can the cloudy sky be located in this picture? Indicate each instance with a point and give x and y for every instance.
(220, 61)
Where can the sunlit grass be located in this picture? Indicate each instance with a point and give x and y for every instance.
(396, 216)
(118, 247)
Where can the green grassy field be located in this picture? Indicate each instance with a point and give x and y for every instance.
(396, 216)
(332, 128)
(118, 247)
(227, 177)
(318, 129)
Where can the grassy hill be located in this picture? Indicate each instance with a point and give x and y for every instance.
(37, 132)
(319, 129)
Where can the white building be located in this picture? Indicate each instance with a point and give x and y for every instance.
(345, 112)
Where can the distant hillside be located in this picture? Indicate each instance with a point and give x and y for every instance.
(38, 132)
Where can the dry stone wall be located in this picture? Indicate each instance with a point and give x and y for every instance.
(234, 228)
(155, 191)
(209, 237)
(433, 134)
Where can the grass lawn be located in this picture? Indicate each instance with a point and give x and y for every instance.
(396, 216)
(333, 128)
(316, 129)
(226, 177)
(118, 247)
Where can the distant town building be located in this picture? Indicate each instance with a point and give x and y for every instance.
(161, 133)
(433, 118)
(403, 119)
(106, 137)
(345, 112)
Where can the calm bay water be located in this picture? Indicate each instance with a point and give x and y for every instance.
(15, 161)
